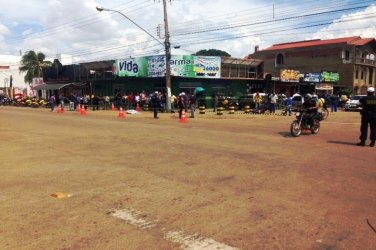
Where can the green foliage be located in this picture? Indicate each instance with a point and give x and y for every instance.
(212, 52)
(32, 63)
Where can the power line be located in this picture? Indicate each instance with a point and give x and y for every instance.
(189, 33)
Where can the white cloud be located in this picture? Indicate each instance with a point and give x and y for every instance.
(75, 27)
(361, 23)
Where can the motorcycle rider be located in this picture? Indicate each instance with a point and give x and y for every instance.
(311, 106)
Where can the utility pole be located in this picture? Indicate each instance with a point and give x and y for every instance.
(166, 45)
(168, 58)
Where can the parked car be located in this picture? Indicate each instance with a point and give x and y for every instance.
(247, 100)
(353, 103)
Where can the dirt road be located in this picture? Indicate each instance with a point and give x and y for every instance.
(217, 182)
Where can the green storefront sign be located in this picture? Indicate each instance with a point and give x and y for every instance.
(329, 77)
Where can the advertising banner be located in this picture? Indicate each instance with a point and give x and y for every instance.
(132, 67)
(289, 75)
(312, 77)
(329, 77)
(180, 65)
(156, 66)
(37, 81)
(207, 66)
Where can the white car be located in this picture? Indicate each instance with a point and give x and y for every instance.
(353, 103)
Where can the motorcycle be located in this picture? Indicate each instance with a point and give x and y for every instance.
(323, 113)
(302, 123)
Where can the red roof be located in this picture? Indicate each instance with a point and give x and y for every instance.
(354, 40)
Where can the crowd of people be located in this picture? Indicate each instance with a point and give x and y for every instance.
(155, 100)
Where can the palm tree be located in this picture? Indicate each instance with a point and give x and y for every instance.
(33, 63)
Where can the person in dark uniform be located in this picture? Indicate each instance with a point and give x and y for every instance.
(368, 114)
(156, 102)
(311, 107)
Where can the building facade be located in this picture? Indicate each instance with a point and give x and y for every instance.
(330, 66)
(230, 77)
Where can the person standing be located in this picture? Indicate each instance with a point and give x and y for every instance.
(215, 101)
(192, 104)
(368, 116)
(182, 103)
(288, 105)
(173, 103)
(257, 99)
(62, 101)
(52, 102)
(156, 102)
(334, 102)
(273, 102)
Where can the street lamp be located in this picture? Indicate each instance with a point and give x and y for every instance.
(166, 45)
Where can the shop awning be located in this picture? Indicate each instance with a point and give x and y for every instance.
(52, 86)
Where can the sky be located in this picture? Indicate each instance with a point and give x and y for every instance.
(75, 30)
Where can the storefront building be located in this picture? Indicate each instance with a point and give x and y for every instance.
(223, 76)
(320, 66)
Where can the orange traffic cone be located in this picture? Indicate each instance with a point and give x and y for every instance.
(113, 107)
(138, 108)
(121, 113)
(59, 109)
(183, 118)
(78, 108)
(83, 110)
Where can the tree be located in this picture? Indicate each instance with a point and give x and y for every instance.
(32, 63)
(212, 52)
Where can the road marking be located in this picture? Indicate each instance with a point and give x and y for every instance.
(134, 218)
(195, 242)
(186, 241)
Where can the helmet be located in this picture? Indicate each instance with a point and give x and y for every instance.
(308, 96)
(371, 90)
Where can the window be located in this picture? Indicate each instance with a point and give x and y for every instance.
(357, 74)
(279, 59)
(347, 55)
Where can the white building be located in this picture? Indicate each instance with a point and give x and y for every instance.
(9, 72)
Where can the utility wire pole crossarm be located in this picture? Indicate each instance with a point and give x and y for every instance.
(166, 45)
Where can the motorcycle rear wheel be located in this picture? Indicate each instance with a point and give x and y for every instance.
(295, 129)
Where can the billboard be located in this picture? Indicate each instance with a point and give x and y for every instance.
(289, 75)
(180, 65)
(207, 66)
(156, 66)
(312, 77)
(131, 67)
